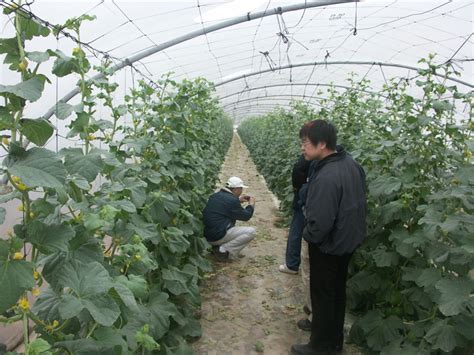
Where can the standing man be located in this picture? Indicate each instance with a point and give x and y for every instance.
(220, 214)
(299, 177)
(335, 226)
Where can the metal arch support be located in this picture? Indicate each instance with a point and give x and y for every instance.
(269, 97)
(342, 62)
(204, 30)
(299, 84)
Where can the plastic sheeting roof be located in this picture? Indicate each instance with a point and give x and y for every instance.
(337, 37)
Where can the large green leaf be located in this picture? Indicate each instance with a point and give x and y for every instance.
(175, 280)
(63, 110)
(86, 280)
(49, 238)
(16, 276)
(442, 336)
(103, 309)
(37, 131)
(384, 185)
(29, 90)
(39, 167)
(87, 166)
(161, 309)
(454, 295)
(64, 65)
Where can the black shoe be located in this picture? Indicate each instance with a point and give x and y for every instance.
(337, 350)
(306, 309)
(306, 349)
(222, 257)
(304, 324)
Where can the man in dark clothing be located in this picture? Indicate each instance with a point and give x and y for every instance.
(220, 214)
(299, 177)
(335, 226)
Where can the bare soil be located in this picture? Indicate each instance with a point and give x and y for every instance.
(249, 307)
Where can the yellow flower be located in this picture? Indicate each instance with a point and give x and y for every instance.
(76, 51)
(36, 291)
(22, 187)
(36, 275)
(17, 256)
(137, 257)
(32, 214)
(20, 207)
(23, 65)
(16, 179)
(24, 304)
(5, 141)
(90, 137)
(53, 325)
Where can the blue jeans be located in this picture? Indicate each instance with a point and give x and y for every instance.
(293, 246)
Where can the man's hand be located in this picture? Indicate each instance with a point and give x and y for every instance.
(251, 201)
(244, 198)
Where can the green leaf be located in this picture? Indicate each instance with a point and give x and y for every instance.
(38, 57)
(454, 295)
(9, 46)
(29, 27)
(30, 90)
(38, 347)
(103, 309)
(39, 167)
(49, 238)
(126, 295)
(137, 284)
(46, 305)
(428, 277)
(384, 185)
(87, 166)
(124, 205)
(176, 242)
(65, 65)
(69, 306)
(16, 276)
(383, 258)
(442, 336)
(86, 280)
(175, 280)
(63, 110)
(37, 131)
(6, 118)
(3, 212)
(161, 309)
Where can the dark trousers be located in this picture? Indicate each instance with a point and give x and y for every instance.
(328, 275)
(293, 245)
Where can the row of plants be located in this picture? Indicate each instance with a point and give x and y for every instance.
(411, 283)
(110, 241)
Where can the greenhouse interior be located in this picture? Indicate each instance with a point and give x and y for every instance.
(237, 177)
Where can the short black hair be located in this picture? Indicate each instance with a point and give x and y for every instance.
(318, 131)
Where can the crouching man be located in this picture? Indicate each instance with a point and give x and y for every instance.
(220, 214)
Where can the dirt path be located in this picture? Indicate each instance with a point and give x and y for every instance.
(248, 305)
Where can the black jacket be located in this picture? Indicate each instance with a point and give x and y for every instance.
(336, 205)
(299, 177)
(221, 212)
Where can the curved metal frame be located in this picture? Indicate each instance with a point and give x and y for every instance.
(298, 84)
(341, 62)
(267, 97)
(204, 30)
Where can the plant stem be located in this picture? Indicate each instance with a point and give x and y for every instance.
(26, 336)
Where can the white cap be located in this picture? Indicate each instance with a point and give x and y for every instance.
(234, 181)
